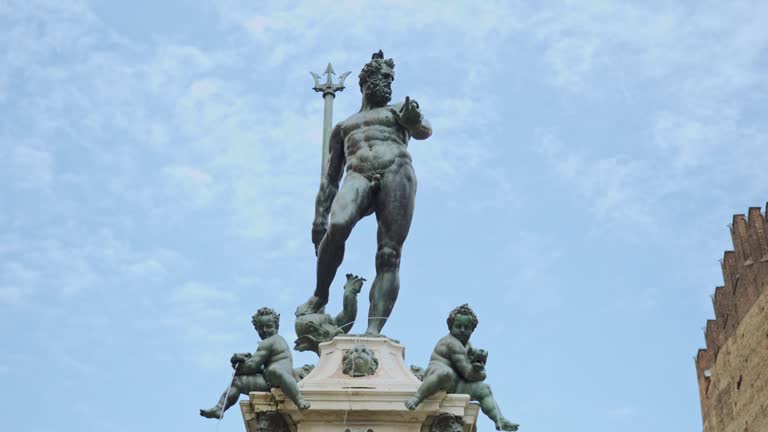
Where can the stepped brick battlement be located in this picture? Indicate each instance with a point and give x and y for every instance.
(733, 369)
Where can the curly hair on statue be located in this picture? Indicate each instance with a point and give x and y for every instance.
(267, 311)
(375, 66)
(462, 310)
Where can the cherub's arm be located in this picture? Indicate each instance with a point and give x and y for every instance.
(346, 318)
(260, 358)
(329, 186)
(462, 364)
(409, 116)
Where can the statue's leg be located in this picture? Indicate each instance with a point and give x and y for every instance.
(394, 206)
(287, 382)
(481, 392)
(435, 380)
(348, 207)
(239, 385)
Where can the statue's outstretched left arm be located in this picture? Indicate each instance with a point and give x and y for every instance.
(409, 116)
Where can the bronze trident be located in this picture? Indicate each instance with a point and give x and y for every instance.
(329, 89)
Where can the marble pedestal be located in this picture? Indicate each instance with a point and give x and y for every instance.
(374, 402)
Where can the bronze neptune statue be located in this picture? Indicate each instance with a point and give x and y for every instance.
(373, 147)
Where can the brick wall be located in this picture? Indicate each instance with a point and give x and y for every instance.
(733, 369)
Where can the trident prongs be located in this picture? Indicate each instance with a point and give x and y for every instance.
(329, 90)
(328, 87)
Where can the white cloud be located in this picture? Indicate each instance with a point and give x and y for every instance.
(571, 61)
(12, 295)
(30, 167)
(198, 294)
(532, 255)
(618, 190)
(77, 366)
(16, 283)
(64, 263)
(149, 267)
(186, 181)
(622, 412)
(690, 73)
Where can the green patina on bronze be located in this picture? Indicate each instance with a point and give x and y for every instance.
(457, 367)
(373, 146)
(269, 367)
(314, 328)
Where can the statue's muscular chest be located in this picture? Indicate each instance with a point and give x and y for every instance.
(372, 125)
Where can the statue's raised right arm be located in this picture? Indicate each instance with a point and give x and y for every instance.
(329, 186)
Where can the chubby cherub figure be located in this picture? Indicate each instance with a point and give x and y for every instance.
(269, 367)
(456, 367)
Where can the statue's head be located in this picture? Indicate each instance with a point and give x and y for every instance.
(266, 322)
(462, 321)
(376, 79)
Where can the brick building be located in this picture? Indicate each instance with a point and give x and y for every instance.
(733, 369)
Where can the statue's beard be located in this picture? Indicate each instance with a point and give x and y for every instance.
(377, 94)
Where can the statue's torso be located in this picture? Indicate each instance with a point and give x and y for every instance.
(374, 141)
(280, 352)
(445, 349)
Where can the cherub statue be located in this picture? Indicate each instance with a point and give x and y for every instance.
(270, 366)
(457, 367)
(313, 328)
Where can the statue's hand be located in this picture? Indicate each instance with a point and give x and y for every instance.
(318, 232)
(354, 283)
(480, 356)
(409, 115)
(238, 358)
(478, 371)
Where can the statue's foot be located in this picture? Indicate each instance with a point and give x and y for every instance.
(506, 425)
(214, 413)
(313, 305)
(412, 402)
(303, 404)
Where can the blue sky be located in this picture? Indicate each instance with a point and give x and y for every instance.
(159, 162)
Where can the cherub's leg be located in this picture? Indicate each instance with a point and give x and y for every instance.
(285, 380)
(394, 207)
(434, 381)
(347, 209)
(240, 385)
(482, 393)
